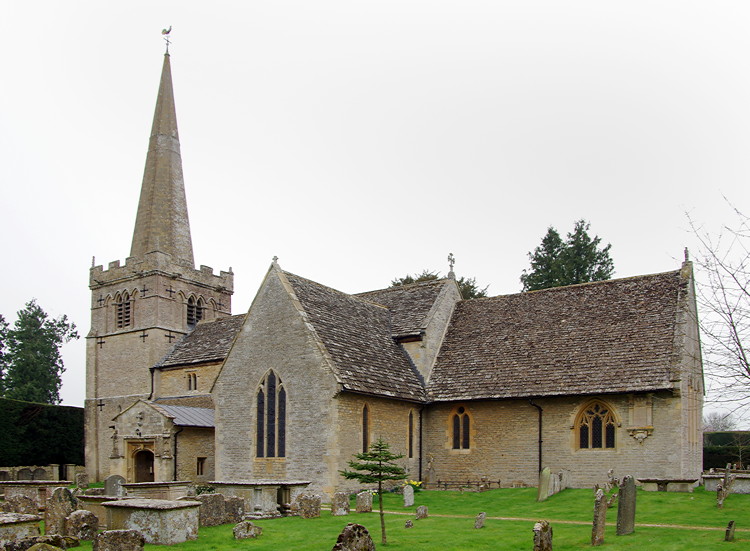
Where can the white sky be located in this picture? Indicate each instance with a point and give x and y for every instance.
(363, 140)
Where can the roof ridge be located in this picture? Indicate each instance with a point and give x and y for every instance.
(394, 288)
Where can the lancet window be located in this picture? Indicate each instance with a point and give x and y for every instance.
(270, 428)
(461, 429)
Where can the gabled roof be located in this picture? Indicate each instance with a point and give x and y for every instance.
(357, 336)
(183, 416)
(409, 305)
(610, 336)
(208, 342)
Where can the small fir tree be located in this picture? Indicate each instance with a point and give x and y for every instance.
(376, 465)
(33, 364)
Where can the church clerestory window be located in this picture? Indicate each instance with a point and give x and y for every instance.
(596, 427)
(195, 309)
(192, 381)
(461, 429)
(270, 428)
(123, 310)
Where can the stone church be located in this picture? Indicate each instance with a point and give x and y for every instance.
(581, 379)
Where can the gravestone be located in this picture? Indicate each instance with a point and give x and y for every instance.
(82, 480)
(729, 534)
(82, 524)
(409, 524)
(364, 502)
(542, 536)
(544, 482)
(308, 505)
(408, 496)
(234, 509)
(59, 507)
(626, 507)
(479, 521)
(211, 512)
(600, 518)
(24, 544)
(246, 530)
(421, 512)
(113, 485)
(354, 537)
(340, 504)
(119, 540)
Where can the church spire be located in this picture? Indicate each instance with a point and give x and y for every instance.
(162, 221)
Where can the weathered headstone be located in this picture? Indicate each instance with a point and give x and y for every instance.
(234, 508)
(542, 536)
(479, 521)
(408, 496)
(82, 480)
(729, 534)
(364, 502)
(245, 530)
(421, 512)
(113, 485)
(211, 512)
(60, 505)
(82, 524)
(340, 504)
(409, 524)
(308, 505)
(600, 518)
(542, 492)
(119, 540)
(354, 537)
(626, 507)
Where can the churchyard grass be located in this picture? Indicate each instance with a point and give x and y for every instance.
(569, 512)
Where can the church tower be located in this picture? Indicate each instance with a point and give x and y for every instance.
(141, 308)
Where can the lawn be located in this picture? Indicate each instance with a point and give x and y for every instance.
(518, 510)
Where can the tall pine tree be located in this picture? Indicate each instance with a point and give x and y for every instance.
(579, 259)
(32, 366)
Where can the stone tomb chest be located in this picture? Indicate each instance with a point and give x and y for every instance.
(161, 521)
(264, 498)
(15, 526)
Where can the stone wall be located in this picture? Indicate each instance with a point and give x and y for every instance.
(192, 443)
(174, 381)
(504, 441)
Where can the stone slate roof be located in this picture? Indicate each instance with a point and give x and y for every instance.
(194, 401)
(358, 337)
(186, 416)
(611, 336)
(208, 342)
(409, 304)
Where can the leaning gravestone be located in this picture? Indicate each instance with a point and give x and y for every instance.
(421, 512)
(408, 496)
(246, 530)
(354, 537)
(119, 540)
(544, 482)
(82, 524)
(340, 504)
(308, 505)
(113, 485)
(364, 502)
(626, 507)
(479, 521)
(729, 534)
(59, 507)
(600, 518)
(542, 536)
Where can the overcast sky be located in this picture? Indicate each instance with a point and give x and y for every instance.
(360, 141)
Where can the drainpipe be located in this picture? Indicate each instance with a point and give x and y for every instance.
(539, 408)
(420, 442)
(175, 453)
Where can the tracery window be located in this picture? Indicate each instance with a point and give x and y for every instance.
(195, 310)
(596, 426)
(270, 426)
(461, 429)
(123, 310)
(365, 428)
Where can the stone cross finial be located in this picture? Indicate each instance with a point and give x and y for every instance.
(275, 259)
(451, 263)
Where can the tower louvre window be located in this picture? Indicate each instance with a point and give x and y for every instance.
(195, 309)
(123, 310)
(270, 423)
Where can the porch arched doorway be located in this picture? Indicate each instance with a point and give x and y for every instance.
(143, 460)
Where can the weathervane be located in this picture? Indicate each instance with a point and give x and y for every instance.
(165, 33)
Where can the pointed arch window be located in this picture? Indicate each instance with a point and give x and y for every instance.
(270, 423)
(365, 428)
(461, 429)
(195, 309)
(595, 427)
(123, 310)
